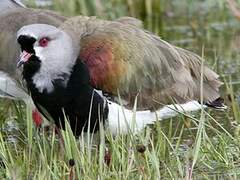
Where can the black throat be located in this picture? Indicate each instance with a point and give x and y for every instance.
(74, 100)
(32, 66)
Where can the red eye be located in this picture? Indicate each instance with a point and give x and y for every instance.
(43, 42)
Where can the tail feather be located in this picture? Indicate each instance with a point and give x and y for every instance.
(217, 104)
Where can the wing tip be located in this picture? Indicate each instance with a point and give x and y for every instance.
(217, 104)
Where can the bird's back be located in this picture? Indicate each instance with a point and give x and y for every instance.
(123, 58)
(6, 5)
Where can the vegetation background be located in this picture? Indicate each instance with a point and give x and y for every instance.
(204, 145)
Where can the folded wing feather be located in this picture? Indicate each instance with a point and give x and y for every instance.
(123, 58)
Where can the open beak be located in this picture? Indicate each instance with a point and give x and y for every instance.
(24, 57)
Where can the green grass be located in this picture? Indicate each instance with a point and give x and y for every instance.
(204, 145)
(197, 144)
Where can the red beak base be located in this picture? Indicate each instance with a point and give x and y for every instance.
(24, 57)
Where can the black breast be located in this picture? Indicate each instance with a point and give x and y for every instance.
(76, 100)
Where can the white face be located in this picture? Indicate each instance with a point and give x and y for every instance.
(56, 52)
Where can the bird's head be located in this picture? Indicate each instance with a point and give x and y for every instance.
(47, 53)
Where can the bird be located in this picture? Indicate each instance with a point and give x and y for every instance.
(6, 5)
(14, 15)
(64, 67)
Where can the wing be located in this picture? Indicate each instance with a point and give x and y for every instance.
(7, 5)
(211, 82)
(130, 21)
(123, 58)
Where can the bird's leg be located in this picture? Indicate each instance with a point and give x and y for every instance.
(72, 169)
(107, 156)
